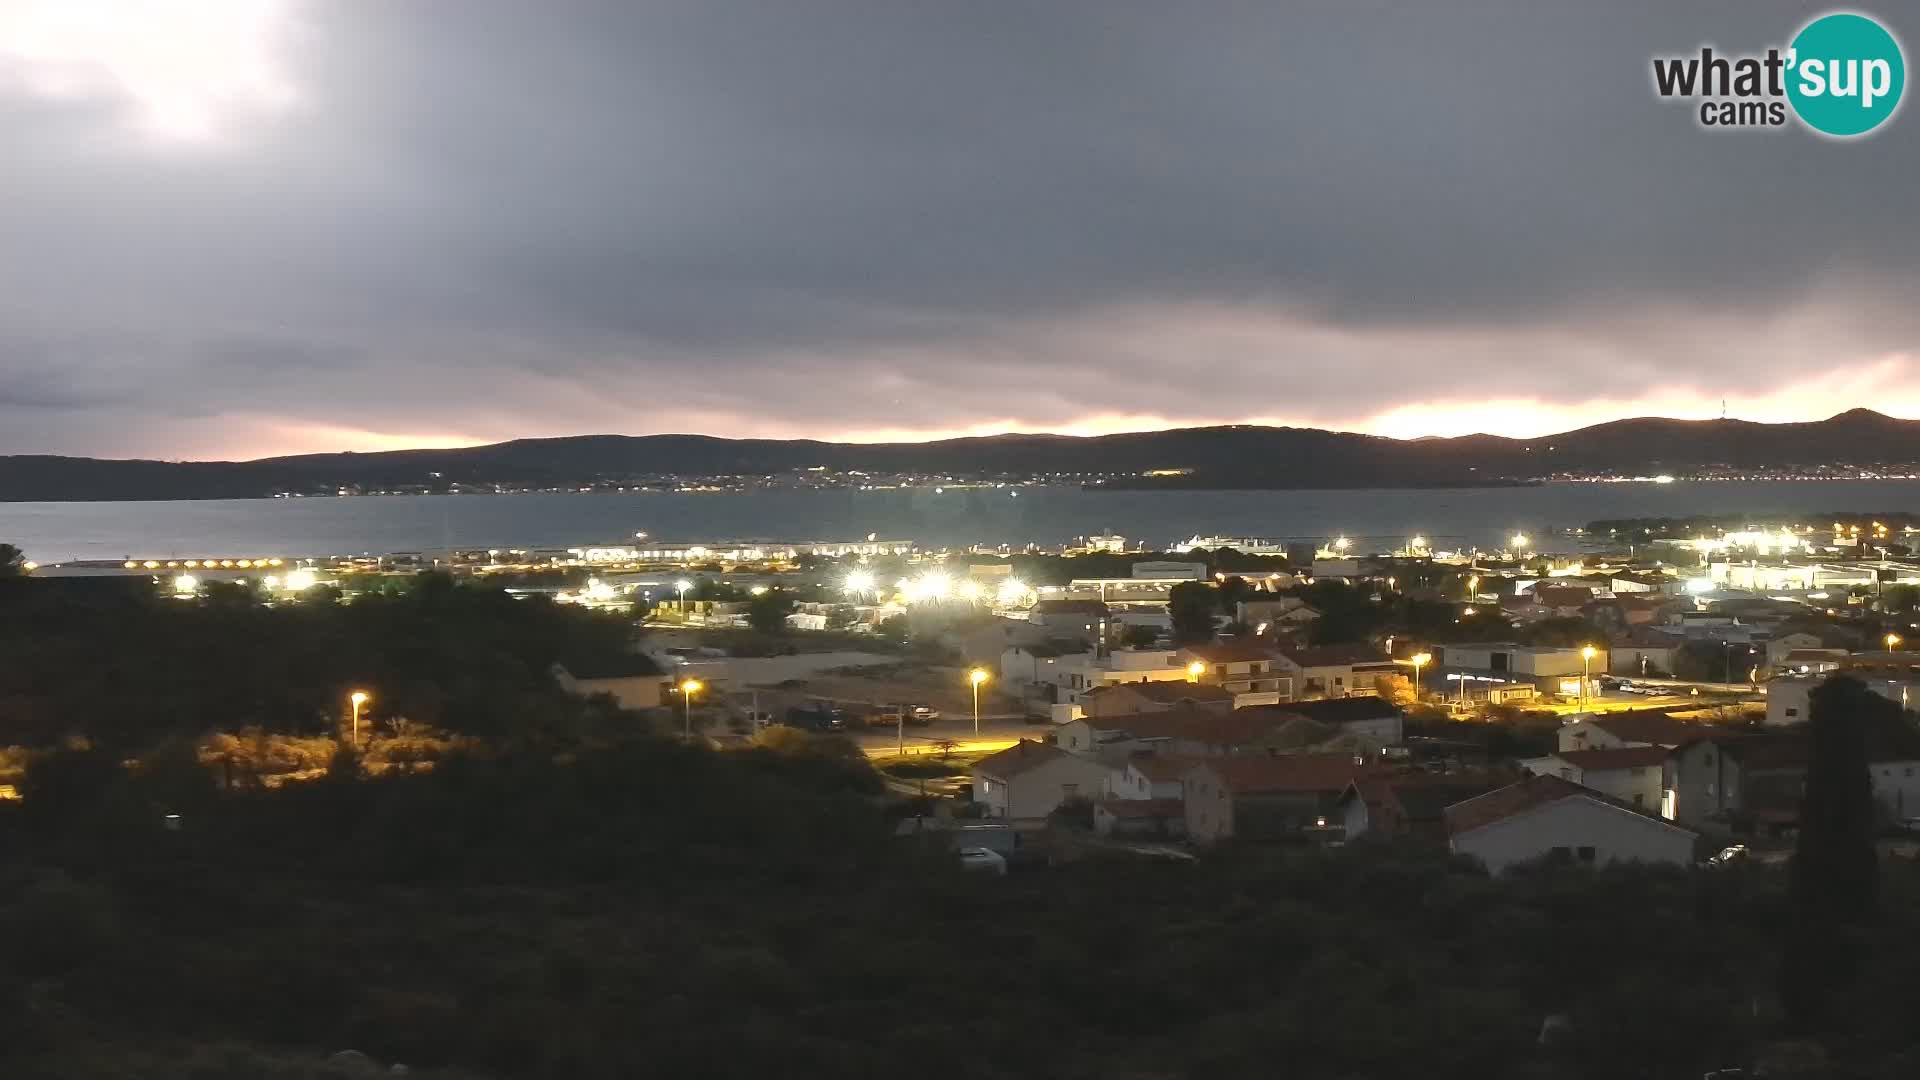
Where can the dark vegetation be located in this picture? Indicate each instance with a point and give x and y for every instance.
(562, 895)
(1241, 456)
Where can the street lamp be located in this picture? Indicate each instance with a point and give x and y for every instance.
(1420, 660)
(976, 677)
(1520, 542)
(1586, 673)
(683, 585)
(1195, 670)
(1892, 640)
(687, 690)
(358, 698)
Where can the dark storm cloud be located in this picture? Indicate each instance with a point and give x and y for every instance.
(500, 218)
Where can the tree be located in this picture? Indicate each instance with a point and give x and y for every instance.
(13, 562)
(1136, 636)
(768, 611)
(1834, 867)
(1232, 590)
(1191, 605)
(894, 627)
(1835, 872)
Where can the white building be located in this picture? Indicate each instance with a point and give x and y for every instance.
(1030, 779)
(1630, 774)
(1894, 676)
(1546, 816)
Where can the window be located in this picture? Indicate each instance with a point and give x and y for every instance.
(1561, 852)
(1586, 854)
(1793, 712)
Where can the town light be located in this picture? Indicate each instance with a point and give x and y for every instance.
(358, 699)
(858, 583)
(1341, 543)
(688, 688)
(976, 677)
(1587, 654)
(186, 585)
(683, 585)
(1417, 543)
(1520, 542)
(1012, 592)
(1195, 670)
(1892, 640)
(929, 588)
(299, 580)
(1420, 660)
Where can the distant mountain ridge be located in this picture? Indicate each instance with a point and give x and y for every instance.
(1232, 457)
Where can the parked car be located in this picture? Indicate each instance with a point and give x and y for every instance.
(982, 860)
(1730, 855)
(819, 717)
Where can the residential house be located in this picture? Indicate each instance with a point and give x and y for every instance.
(1561, 601)
(1743, 781)
(1268, 797)
(1030, 779)
(1613, 731)
(1152, 818)
(1374, 719)
(1238, 667)
(1149, 776)
(1196, 732)
(1071, 678)
(1644, 653)
(1280, 615)
(1632, 774)
(1034, 663)
(1894, 676)
(632, 680)
(1546, 816)
(1084, 619)
(1780, 645)
(1410, 804)
(1125, 699)
(1333, 671)
(1809, 661)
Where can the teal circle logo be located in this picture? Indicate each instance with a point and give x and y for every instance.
(1845, 74)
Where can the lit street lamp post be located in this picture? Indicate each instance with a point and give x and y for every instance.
(683, 585)
(1892, 640)
(1195, 670)
(687, 690)
(976, 677)
(358, 698)
(1420, 660)
(1586, 673)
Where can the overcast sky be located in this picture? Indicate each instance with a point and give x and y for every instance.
(231, 228)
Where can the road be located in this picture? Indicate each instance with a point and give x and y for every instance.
(996, 733)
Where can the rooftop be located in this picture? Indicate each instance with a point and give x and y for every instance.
(1231, 652)
(1630, 757)
(1277, 773)
(1335, 711)
(1524, 795)
(1021, 757)
(1334, 655)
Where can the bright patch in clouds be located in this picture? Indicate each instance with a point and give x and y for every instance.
(184, 69)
